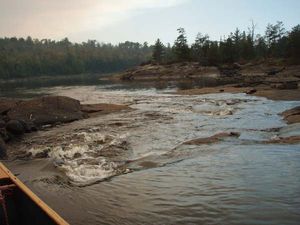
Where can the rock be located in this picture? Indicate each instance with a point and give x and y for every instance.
(285, 85)
(292, 115)
(236, 66)
(103, 108)
(284, 140)
(229, 71)
(2, 123)
(47, 110)
(15, 127)
(4, 135)
(2, 149)
(77, 155)
(43, 154)
(28, 126)
(213, 139)
(7, 104)
(251, 91)
(275, 71)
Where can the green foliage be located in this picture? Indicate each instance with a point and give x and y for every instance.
(238, 46)
(32, 57)
(199, 50)
(181, 48)
(293, 43)
(29, 57)
(158, 51)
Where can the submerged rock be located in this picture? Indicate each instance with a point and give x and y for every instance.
(213, 139)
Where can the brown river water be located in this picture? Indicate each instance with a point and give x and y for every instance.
(148, 175)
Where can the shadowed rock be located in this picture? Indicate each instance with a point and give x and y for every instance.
(2, 149)
(15, 127)
(47, 110)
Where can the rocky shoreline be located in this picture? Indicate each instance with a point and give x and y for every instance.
(18, 117)
(273, 80)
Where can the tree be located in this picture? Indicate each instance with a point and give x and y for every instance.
(261, 48)
(181, 48)
(200, 47)
(158, 51)
(293, 48)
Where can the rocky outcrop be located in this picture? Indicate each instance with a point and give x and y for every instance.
(292, 115)
(285, 85)
(47, 110)
(174, 71)
(7, 104)
(23, 116)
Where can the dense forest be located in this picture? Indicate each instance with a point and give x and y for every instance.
(239, 46)
(27, 57)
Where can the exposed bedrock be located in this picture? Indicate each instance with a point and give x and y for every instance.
(23, 116)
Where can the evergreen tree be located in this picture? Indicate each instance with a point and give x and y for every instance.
(158, 51)
(293, 48)
(181, 48)
(200, 47)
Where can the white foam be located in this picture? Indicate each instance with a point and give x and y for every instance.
(87, 173)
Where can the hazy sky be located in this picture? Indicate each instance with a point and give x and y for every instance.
(139, 20)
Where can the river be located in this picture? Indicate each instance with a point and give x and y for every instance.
(239, 180)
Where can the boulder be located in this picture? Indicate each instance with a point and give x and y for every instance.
(2, 149)
(47, 110)
(15, 127)
(2, 123)
(7, 104)
(4, 134)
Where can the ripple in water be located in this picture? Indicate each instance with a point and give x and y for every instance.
(237, 180)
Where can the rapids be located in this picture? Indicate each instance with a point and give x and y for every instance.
(133, 167)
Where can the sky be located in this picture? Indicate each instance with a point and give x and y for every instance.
(116, 21)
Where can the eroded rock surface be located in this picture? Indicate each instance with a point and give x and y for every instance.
(292, 115)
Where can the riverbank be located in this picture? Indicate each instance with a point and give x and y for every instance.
(274, 80)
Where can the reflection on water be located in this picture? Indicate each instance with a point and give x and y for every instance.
(236, 181)
(25, 88)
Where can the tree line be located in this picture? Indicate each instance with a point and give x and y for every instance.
(28, 57)
(236, 47)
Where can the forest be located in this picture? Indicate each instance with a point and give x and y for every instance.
(28, 57)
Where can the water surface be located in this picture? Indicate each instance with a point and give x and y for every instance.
(235, 181)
